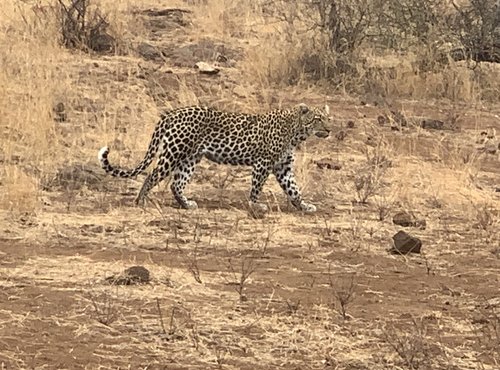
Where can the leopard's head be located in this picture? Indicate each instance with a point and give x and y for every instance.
(313, 121)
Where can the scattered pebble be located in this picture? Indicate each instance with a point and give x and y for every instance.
(328, 164)
(407, 219)
(404, 243)
(206, 68)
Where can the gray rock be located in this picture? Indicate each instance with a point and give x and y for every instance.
(102, 43)
(435, 124)
(404, 243)
(148, 51)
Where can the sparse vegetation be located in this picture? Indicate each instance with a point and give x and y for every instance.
(368, 179)
(343, 293)
(239, 274)
(83, 26)
(487, 327)
(384, 207)
(411, 344)
(223, 181)
(485, 217)
(105, 308)
(288, 290)
(191, 263)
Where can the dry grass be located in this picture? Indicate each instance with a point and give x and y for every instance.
(289, 290)
(30, 83)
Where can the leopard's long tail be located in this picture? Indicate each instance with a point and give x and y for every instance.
(119, 172)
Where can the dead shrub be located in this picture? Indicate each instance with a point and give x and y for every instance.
(477, 26)
(240, 276)
(84, 26)
(367, 183)
(105, 308)
(349, 45)
(404, 22)
(192, 263)
(411, 344)
(384, 207)
(317, 40)
(369, 177)
(487, 328)
(485, 217)
(343, 293)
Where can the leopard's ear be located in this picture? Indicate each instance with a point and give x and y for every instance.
(303, 108)
(327, 109)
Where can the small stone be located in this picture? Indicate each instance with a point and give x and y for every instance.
(221, 58)
(206, 68)
(481, 320)
(370, 141)
(98, 229)
(132, 275)
(341, 135)
(407, 219)
(404, 219)
(328, 164)
(434, 124)
(404, 243)
(59, 111)
(491, 147)
(382, 120)
(350, 124)
(139, 274)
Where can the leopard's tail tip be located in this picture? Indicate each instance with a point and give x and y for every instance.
(103, 153)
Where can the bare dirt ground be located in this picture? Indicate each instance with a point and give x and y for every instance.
(232, 291)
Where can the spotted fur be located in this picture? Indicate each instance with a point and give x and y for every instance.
(266, 142)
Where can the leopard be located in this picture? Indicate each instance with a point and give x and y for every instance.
(266, 142)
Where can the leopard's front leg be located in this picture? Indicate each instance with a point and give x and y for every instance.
(284, 174)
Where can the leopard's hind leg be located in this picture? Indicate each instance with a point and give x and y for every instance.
(160, 172)
(181, 176)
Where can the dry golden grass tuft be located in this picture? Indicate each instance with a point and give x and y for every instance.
(39, 77)
(30, 82)
(20, 190)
